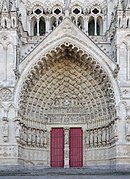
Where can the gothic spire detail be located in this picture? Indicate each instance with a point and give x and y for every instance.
(13, 5)
(67, 3)
(119, 6)
(128, 5)
(5, 7)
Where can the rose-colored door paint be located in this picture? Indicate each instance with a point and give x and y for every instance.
(57, 147)
(76, 147)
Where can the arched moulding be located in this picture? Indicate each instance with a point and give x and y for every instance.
(66, 78)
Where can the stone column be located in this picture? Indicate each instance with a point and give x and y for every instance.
(128, 57)
(47, 25)
(5, 129)
(66, 147)
(5, 66)
(17, 129)
(95, 26)
(121, 124)
(86, 25)
(37, 27)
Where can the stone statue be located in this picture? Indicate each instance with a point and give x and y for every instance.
(91, 138)
(29, 136)
(25, 135)
(87, 139)
(116, 131)
(38, 138)
(99, 137)
(66, 136)
(104, 131)
(128, 130)
(33, 137)
(45, 138)
(96, 138)
(17, 128)
(41, 138)
(5, 129)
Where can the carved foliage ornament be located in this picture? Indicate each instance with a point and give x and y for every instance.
(5, 94)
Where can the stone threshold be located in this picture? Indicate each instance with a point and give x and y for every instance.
(31, 171)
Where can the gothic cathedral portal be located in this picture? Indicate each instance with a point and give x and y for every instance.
(65, 83)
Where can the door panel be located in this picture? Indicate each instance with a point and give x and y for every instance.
(76, 147)
(57, 147)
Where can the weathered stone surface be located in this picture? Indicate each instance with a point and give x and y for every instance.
(64, 64)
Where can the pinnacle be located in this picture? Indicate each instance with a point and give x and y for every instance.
(5, 6)
(119, 6)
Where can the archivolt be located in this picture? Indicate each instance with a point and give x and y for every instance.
(67, 78)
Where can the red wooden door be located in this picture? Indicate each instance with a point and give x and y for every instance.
(76, 147)
(57, 147)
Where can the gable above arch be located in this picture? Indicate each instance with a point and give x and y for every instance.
(67, 32)
(67, 40)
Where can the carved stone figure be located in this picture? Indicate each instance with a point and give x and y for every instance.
(66, 154)
(128, 130)
(45, 138)
(95, 137)
(17, 130)
(91, 138)
(116, 131)
(25, 135)
(5, 129)
(38, 138)
(33, 137)
(87, 139)
(41, 138)
(99, 137)
(66, 134)
(104, 132)
(29, 136)
(77, 76)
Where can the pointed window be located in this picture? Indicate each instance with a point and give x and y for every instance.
(95, 26)
(5, 23)
(53, 23)
(42, 26)
(35, 28)
(99, 26)
(91, 26)
(80, 22)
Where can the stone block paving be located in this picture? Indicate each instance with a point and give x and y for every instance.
(68, 177)
(63, 174)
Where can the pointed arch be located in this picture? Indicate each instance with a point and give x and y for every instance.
(67, 73)
(53, 23)
(99, 26)
(33, 26)
(91, 26)
(54, 41)
(80, 22)
(42, 26)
